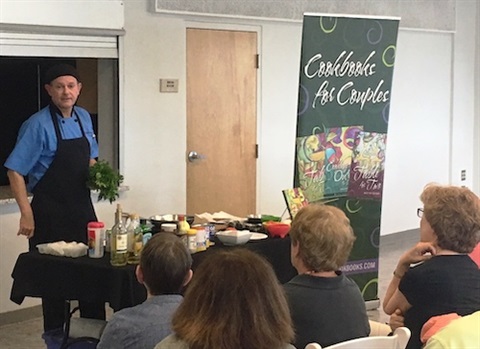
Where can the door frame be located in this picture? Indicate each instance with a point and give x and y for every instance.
(245, 28)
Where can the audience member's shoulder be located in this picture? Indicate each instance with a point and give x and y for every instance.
(346, 281)
(171, 342)
(124, 313)
(459, 333)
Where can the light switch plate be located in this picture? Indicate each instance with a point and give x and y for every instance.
(168, 85)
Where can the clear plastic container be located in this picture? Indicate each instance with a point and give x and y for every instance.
(96, 235)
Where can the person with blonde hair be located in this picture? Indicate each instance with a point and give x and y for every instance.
(233, 301)
(326, 306)
(444, 278)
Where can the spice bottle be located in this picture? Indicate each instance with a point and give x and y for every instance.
(201, 242)
(95, 234)
(192, 240)
(183, 225)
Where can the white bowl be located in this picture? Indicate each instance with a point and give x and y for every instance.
(234, 237)
(169, 227)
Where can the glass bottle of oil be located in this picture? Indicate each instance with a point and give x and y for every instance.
(118, 240)
(135, 235)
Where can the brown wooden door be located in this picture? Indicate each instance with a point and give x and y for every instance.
(221, 121)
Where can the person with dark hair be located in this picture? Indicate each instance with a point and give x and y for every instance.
(164, 269)
(54, 149)
(326, 306)
(437, 276)
(233, 301)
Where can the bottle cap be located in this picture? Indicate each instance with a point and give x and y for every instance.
(96, 225)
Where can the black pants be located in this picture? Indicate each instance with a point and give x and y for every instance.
(54, 312)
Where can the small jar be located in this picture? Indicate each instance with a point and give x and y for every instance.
(206, 228)
(192, 240)
(201, 242)
(96, 236)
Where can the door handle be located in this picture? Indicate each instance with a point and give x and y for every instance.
(193, 155)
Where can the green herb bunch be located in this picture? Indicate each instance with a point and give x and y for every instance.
(105, 180)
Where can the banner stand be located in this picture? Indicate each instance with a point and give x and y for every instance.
(346, 71)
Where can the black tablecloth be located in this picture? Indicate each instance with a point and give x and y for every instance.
(275, 250)
(84, 278)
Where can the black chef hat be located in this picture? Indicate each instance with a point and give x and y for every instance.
(61, 70)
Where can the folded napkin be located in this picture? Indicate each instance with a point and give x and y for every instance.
(217, 216)
(62, 248)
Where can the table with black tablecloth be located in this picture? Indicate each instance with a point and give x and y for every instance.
(84, 278)
(275, 250)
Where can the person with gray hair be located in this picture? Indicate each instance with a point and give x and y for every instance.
(436, 276)
(326, 306)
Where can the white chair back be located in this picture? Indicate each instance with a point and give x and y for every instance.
(399, 340)
(313, 346)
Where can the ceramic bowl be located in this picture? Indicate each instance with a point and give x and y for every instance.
(159, 220)
(277, 229)
(169, 227)
(234, 237)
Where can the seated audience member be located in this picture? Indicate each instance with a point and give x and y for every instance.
(233, 302)
(435, 324)
(326, 306)
(444, 279)
(164, 269)
(462, 333)
(475, 255)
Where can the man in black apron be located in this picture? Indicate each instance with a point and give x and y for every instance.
(61, 207)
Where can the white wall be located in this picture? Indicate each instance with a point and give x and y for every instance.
(418, 140)
(105, 14)
(463, 94)
(280, 64)
(153, 139)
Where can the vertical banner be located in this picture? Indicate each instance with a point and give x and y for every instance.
(346, 74)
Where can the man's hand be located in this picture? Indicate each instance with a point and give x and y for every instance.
(27, 225)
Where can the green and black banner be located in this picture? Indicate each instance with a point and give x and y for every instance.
(344, 97)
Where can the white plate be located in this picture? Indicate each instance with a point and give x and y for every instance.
(258, 236)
